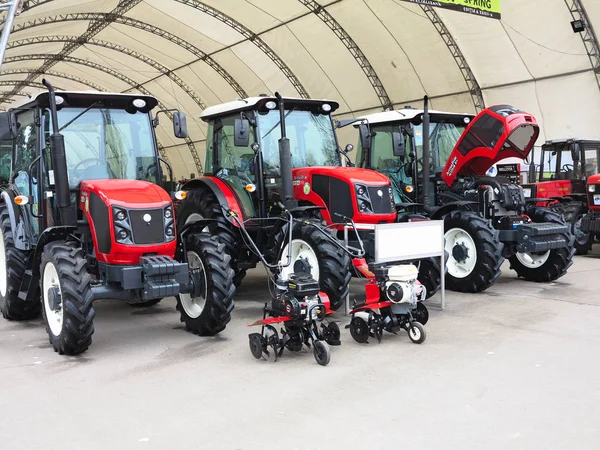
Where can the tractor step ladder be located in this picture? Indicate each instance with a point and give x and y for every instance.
(14, 8)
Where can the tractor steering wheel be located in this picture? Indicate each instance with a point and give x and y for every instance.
(431, 164)
(89, 160)
(565, 167)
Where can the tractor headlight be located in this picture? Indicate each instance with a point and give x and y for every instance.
(121, 215)
(123, 235)
(271, 105)
(169, 231)
(168, 213)
(591, 188)
(361, 191)
(326, 107)
(139, 103)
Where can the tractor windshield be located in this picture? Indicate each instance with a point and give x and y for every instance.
(312, 139)
(443, 137)
(106, 143)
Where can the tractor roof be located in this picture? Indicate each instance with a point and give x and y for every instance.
(407, 115)
(86, 98)
(253, 103)
(571, 140)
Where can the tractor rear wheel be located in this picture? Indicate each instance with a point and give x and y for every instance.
(474, 252)
(67, 298)
(573, 213)
(314, 254)
(549, 265)
(203, 204)
(210, 312)
(13, 263)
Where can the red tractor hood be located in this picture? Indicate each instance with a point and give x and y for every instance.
(132, 193)
(350, 174)
(497, 133)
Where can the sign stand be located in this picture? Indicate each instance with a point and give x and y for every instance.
(408, 241)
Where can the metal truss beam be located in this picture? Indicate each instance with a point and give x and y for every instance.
(111, 72)
(93, 28)
(122, 20)
(588, 36)
(51, 73)
(320, 11)
(252, 37)
(457, 54)
(118, 48)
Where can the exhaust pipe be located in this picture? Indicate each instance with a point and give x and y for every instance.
(59, 164)
(426, 153)
(285, 157)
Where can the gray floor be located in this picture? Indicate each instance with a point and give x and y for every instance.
(515, 367)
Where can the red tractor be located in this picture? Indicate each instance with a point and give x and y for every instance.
(590, 224)
(560, 182)
(249, 171)
(83, 218)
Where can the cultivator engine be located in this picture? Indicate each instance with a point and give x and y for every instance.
(300, 308)
(393, 303)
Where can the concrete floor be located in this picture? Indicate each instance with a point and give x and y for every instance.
(515, 367)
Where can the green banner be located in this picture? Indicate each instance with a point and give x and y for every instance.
(484, 8)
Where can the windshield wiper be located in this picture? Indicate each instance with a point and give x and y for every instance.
(278, 122)
(78, 116)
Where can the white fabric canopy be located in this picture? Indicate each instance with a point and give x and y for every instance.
(365, 54)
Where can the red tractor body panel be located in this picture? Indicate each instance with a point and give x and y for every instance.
(555, 188)
(130, 195)
(594, 197)
(317, 186)
(488, 139)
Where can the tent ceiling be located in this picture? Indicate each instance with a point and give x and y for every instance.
(366, 54)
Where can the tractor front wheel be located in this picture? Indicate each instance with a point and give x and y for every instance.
(474, 252)
(12, 268)
(573, 213)
(67, 298)
(314, 254)
(209, 312)
(549, 265)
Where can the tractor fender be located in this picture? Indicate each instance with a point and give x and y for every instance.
(16, 215)
(452, 206)
(50, 235)
(225, 195)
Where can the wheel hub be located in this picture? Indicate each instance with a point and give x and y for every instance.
(460, 252)
(54, 299)
(301, 265)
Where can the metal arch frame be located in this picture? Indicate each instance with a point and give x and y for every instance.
(66, 76)
(115, 74)
(321, 12)
(589, 38)
(118, 48)
(237, 26)
(459, 57)
(252, 37)
(123, 20)
(94, 28)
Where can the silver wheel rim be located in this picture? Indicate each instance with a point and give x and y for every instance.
(3, 268)
(415, 333)
(193, 306)
(54, 317)
(195, 217)
(300, 250)
(533, 260)
(458, 236)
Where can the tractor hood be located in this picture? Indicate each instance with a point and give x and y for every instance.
(497, 133)
(127, 193)
(350, 174)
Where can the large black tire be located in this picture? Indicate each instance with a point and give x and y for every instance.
(334, 263)
(486, 269)
(74, 333)
(205, 203)
(214, 316)
(13, 265)
(573, 212)
(559, 260)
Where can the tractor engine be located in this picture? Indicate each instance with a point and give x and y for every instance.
(296, 297)
(402, 286)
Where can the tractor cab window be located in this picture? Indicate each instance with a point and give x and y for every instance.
(5, 161)
(237, 162)
(442, 139)
(557, 162)
(312, 139)
(106, 143)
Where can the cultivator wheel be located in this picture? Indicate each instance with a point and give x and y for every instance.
(416, 332)
(12, 269)
(67, 298)
(202, 203)
(322, 352)
(549, 265)
(209, 312)
(314, 254)
(474, 252)
(359, 330)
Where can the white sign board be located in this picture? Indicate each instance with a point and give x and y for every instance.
(410, 240)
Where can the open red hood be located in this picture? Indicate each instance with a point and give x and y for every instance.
(497, 133)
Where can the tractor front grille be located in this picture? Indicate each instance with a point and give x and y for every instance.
(382, 199)
(147, 232)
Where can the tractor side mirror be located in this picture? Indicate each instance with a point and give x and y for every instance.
(180, 125)
(241, 133)
(8, 126)
(575, 151)
(365, 136)
(399, 145)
